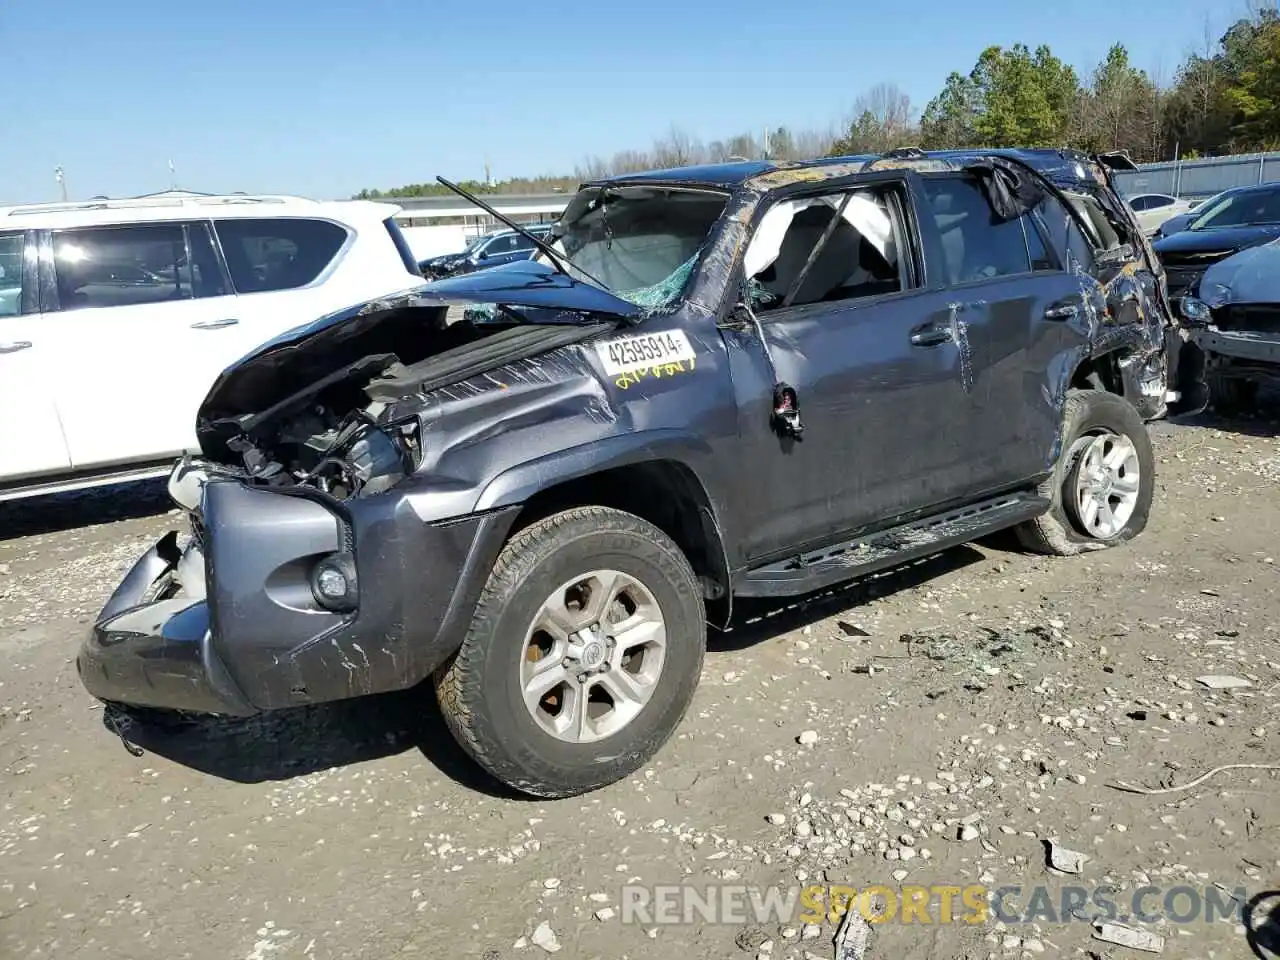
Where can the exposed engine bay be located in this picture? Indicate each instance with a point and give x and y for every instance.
(351, 421)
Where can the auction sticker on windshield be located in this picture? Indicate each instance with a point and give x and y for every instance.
(627, 354)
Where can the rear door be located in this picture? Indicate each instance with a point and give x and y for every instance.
(133, 311)
(1017, 311)
(31, 440)
(283, 273)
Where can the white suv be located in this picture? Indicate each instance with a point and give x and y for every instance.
(116, 316)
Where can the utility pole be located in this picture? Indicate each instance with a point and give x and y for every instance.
(62, 181)
(173, 177)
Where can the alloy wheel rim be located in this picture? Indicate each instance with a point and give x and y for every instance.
(592, 656)
(1107, 481)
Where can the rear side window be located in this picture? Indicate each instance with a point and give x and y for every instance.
(1041, 258)
(1065, 233)
(975, 245)
(278, 253)
(11, 249)
(501, 245)
(121, 266)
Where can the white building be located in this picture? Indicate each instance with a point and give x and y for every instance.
(435, 225)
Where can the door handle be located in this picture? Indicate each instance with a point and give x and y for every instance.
(930, 336)
(1062, 311)
(215, 324)
(15, 346)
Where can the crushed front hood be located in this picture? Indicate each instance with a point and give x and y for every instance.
(300, 357)
(1251, 276)
(527, 283)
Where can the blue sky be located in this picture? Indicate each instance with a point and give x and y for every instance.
(325, 98)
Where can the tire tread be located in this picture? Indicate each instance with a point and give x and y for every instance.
(459, 689)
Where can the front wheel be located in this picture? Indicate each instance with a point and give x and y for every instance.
(1103, 483)
(583, 654)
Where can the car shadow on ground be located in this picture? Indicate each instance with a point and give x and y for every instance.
(757, 620)
(82, 508)
(1261, 420)
(295, 742)
(284, 744)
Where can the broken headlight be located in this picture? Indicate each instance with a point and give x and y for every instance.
(1194, 311)
(376, 462)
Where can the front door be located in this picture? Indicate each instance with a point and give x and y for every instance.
(874, 363)
(31, 440)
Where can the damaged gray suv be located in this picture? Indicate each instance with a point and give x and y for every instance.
(711, 383)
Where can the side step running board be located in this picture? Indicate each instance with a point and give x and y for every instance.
(889, 548)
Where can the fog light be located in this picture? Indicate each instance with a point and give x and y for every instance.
(333, 582)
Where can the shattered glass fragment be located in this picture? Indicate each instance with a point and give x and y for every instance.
(658, 295)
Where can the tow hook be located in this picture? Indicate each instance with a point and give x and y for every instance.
(112, 719)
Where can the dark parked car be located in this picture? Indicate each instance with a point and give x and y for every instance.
(1183, 220)
(1236, 318)
(489, 250)
(1233, 222)
(739, 381)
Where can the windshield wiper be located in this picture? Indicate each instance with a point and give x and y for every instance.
(560, 261)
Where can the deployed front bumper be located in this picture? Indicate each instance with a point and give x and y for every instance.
(245, 632)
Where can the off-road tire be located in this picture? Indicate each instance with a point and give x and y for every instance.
(479, 688)
(1055, 532)
(1229, 394)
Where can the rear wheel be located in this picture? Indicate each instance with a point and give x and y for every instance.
(1103, 484)
(583, 654)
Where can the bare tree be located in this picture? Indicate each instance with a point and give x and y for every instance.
(888, 106)
(593, 168)
(810, 144)
(678, 149)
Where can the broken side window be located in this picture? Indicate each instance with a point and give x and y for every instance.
(1074, 248)
(976, 245)
(839, 246)
(1102, 233)
(1042, 258)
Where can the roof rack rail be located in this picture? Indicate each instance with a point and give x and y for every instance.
(152, 201)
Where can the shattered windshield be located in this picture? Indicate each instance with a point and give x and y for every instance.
(641, 243)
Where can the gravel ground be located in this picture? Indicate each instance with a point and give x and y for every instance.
(935, 726)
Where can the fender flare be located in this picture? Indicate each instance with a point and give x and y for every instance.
(517, 484)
